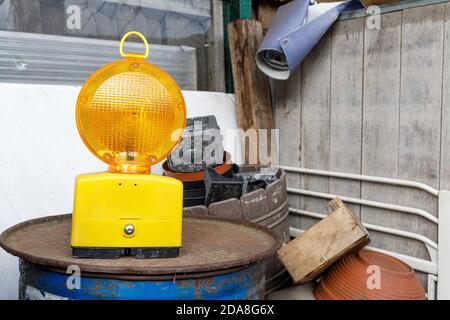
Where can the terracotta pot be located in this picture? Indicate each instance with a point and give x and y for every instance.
(198, 176)
(353, 278)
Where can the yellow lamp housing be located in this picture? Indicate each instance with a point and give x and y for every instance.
(130, 114)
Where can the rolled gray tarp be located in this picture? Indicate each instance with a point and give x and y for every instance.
(295, 30)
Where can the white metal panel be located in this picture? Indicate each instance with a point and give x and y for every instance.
(443, 287)
(50, 59)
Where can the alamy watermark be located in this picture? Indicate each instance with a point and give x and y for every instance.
(257, 146)
(373, 21)
(73, 20)
(73, 282)
(374, 279)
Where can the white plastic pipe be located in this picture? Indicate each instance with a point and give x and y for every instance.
(416, 263)
(373, 227)
(443, 285)
(375, 204)
(431, 290)
(351, 176)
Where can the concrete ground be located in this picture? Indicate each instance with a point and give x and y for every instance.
(296, 292)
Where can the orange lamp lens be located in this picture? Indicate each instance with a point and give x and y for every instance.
(130, 114)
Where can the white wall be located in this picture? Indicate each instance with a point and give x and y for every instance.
(41, 153)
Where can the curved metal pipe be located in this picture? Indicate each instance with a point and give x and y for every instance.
(369, 203)
(417, 263)
(373, 227)
(351, 176)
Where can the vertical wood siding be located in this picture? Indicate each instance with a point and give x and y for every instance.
(373, 102)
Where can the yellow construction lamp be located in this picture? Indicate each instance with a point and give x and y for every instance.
(130, 114)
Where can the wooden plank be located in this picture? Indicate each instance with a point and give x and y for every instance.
(340, 233)
(265, 12)
(288, 114)
(381, 104)
(316, 125)
(252, 90)
(346, 102)
(216, 58)
(399, 112)
(420, 114)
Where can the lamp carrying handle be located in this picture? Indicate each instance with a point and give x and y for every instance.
(132, 54)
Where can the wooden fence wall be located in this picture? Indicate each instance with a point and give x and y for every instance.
(373, 102)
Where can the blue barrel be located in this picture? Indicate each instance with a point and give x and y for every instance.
(220, 259)
(37, 282)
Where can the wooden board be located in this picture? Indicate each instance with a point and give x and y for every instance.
(288, 115)
(420, 113)
(316, 86)
(345, 107)
(252, 90)
(388, 115)
(265, 12)
(216, 50)
(335, 236)
(382, 50)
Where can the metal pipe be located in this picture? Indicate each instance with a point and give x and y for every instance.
(416, 263)
(431, 290)
(443, 285)
(351, 176)
(375, 204)
(373, 227)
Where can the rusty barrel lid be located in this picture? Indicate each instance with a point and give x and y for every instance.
(211, 245)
